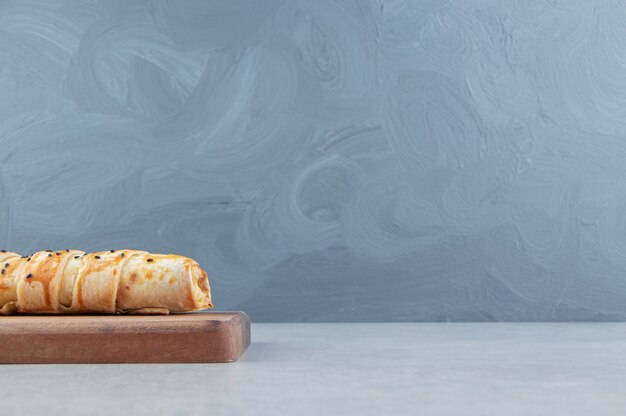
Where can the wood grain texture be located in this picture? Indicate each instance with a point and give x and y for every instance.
(203, 337)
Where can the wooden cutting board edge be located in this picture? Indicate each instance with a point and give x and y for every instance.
(200, 337)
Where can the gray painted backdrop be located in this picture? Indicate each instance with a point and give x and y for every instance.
(329, 160)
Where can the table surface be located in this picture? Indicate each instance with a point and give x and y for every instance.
(362, 369)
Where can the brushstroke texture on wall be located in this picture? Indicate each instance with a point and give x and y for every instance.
(329, 160)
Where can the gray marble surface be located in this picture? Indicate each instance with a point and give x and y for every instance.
(362, 369)
(327, 160)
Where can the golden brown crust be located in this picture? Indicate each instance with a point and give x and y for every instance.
(122, 281)
(158, 281)
(39, 280)
(148, 311)
(8, 288)
(68, 280)
(97, 281)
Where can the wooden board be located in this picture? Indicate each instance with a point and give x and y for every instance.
(201, 337)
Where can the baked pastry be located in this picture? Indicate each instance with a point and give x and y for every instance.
(115, 281)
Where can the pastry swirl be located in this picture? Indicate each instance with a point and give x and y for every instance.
(115, 281)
